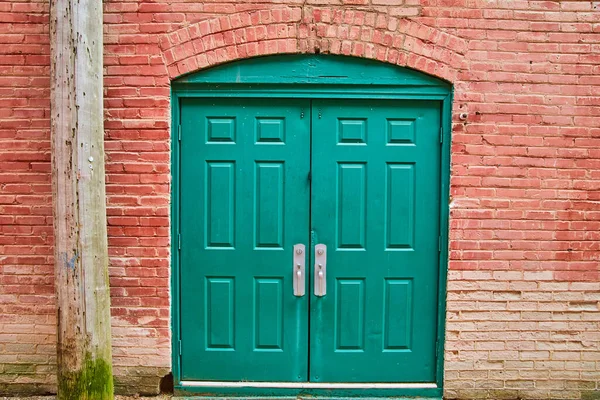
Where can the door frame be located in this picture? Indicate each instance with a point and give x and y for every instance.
(311, 77)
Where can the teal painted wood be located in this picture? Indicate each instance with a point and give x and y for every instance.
(375, 201)
(330, 394)
(328, 85)
(244, 204)
(312, 69)
(444, 231)
(316, 91)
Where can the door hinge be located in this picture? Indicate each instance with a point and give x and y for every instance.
(439, 243)
(437, 349)
(180, 352)
(179, 132)
(179, 241)
(441, 135)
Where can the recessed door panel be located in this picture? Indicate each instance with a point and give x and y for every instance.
(375, 205)
(244, 204)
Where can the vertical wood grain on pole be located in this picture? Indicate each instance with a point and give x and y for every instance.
(78, 188)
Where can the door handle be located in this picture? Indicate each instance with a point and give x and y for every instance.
(299, 270)
(320, 270)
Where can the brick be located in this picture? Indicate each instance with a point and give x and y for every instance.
(525, 173)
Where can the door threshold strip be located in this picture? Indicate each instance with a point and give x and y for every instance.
(308, 385)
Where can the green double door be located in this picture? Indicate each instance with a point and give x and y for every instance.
(357, 179)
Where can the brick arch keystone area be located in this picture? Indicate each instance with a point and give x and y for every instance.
(292, 30)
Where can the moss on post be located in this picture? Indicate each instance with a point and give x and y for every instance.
(93, 382)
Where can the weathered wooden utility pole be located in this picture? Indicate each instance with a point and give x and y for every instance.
(79, 197)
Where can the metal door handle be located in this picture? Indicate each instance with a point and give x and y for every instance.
(320, 270)
(299, 267)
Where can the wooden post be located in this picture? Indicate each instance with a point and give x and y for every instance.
(84, 369)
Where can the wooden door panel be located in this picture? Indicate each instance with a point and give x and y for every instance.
(244, 204)
(375, 204)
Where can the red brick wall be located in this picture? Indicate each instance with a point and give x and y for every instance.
(27, 322)
(524, 281)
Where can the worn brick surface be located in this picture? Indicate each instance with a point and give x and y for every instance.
(524, 273)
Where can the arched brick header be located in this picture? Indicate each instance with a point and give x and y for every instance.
(400, 41)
